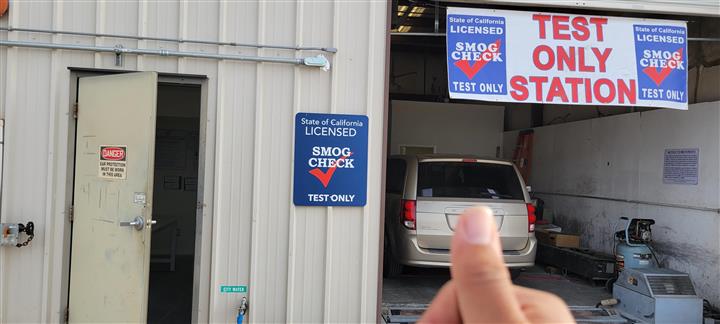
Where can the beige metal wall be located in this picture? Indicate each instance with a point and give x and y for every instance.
(301, 264)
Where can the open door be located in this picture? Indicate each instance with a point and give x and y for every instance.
(112, 199)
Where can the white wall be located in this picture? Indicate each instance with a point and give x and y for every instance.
(301, 264)
(621, 157)
(451, 128)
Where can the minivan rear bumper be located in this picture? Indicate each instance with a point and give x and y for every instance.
(413, 255)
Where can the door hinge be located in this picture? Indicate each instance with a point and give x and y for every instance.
(71, 213)
(75, 110)
(67, 314)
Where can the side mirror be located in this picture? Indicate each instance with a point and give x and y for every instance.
(529, 188)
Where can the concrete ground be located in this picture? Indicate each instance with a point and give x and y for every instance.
(417, 286)
(407, 296)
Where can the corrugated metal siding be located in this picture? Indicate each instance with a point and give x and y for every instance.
(301, 264)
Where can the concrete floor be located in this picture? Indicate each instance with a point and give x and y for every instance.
(407, 296)
(417, 286)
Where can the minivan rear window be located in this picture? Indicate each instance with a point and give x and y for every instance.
(468, 180)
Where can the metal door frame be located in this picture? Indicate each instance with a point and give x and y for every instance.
(64, 133)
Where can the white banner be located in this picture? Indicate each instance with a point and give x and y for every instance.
(532, 57)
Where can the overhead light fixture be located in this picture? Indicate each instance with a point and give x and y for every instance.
(404, 28)
(401, 10)
(416, 12)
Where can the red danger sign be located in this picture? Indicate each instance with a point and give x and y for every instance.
(113, 162)
(112, 153)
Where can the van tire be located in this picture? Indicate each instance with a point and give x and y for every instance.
(391, 267)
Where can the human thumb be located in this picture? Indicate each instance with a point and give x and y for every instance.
(485, 292)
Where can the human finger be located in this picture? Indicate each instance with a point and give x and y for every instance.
(484, 290)
(444, 307)
(542, 307)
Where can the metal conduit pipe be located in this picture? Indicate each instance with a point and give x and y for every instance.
(175, 40)
(314, 61)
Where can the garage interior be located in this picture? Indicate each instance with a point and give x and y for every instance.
(589, 165)
(175, 199)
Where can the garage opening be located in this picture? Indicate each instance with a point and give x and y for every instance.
(583, 167)
(174, 203)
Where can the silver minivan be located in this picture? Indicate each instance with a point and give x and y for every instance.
(426, 194)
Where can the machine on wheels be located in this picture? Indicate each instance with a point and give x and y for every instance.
(633, 249)
(644, 292)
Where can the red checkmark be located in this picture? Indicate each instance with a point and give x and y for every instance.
(659, 77)
(325, 177)
(471, 70)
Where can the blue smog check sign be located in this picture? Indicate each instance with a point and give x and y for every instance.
(330, 160)
(469, 54)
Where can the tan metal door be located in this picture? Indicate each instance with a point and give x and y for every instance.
(112, 200)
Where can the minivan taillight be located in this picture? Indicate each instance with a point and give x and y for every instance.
(408, 213)
(531, 218)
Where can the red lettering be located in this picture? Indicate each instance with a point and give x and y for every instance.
(566, 57)
(581, 32)
(550, 54)
(556, 90)
(560, 23)
(602, 57)
(581, 61)
(519, 86)
(588, 91)
(599, 22)
(541, 19)
(597, 91)
(538, 86)
(625, 91)
(574, 82)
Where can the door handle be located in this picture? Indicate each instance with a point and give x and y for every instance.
(138, 222)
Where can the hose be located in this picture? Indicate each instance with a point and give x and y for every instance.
(652, 251)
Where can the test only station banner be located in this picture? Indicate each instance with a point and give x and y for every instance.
(331, 156)
(531, 57)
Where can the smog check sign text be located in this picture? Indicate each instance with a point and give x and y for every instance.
(330, 160)
(535, 57)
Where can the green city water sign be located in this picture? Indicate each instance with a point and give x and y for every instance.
(233, 289)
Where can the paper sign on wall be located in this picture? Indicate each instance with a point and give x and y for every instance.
(113, 162)
(531, 57)
(331, 154)
(680, 166)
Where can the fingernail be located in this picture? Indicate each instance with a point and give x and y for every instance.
(478, 228)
